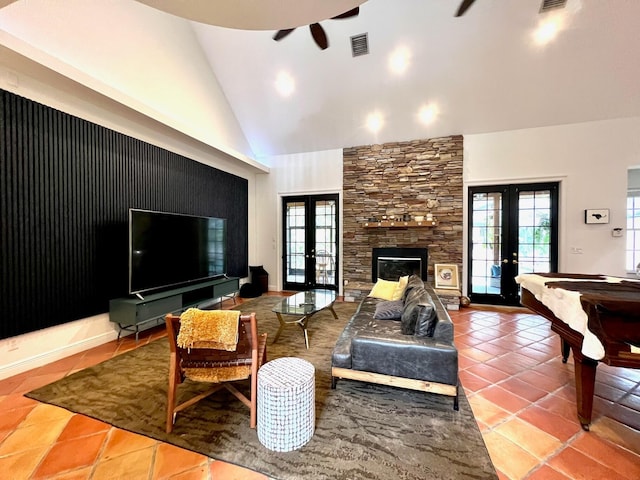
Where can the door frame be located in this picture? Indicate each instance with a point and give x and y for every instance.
(280, 239)
(557, 226)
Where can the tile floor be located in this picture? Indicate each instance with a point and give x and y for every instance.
(521, 393)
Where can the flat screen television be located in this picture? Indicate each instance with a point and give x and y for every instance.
(168, 249)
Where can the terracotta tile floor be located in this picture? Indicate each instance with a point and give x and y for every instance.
(520, 391)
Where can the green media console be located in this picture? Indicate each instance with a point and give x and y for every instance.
(132, 312)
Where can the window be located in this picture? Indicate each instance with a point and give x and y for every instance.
(633, 230)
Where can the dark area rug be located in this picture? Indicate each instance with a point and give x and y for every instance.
(362, 431)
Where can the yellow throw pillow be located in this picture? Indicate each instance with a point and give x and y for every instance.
(383, 289)
(402, 284)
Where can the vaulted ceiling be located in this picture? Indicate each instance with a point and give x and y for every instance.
(481, 72)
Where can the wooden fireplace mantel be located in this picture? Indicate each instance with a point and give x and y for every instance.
(401, 224)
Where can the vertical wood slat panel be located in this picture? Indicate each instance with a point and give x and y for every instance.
(65, 190)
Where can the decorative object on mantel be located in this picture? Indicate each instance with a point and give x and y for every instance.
(400, 224)
(600, 215)
(401, 220)
(431, 204)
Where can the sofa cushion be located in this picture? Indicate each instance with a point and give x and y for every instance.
(419, 319)
(408, 320)
(413, 282)
(423, 308)
(398, 294)
(409, 312)
(414, 295)
(408, 357)
(383, 289)
(389, 310)
(419, 316)
(426, 320)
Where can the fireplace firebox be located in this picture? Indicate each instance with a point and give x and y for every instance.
(391, 263)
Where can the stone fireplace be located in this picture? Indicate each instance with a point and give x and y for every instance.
(398, 179)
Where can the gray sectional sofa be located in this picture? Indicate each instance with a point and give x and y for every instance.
(410, 344)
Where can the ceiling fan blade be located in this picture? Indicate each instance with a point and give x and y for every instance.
(318, 34)
(464, 6)
(351, 13)
(280, 34)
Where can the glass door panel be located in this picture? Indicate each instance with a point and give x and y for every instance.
(295, 242)
(325, 242)
(486, 242)
(534, 231)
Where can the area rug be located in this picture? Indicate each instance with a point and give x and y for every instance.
(362, 431)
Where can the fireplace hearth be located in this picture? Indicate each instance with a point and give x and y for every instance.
(391, 263)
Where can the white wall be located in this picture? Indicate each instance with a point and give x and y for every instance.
(304, 173)
(591, 162)
(145, 59)
(27, 79)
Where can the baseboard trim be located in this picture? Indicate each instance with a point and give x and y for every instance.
(45, 358)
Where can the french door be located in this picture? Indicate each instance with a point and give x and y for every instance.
(310, 242)
(513, 229)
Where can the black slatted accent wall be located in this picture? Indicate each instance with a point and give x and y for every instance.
(65, 191)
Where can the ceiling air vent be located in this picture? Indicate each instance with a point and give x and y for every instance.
(360, 44)
(551, 5)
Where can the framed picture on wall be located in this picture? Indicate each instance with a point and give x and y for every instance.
(600, 215)
(446, 276)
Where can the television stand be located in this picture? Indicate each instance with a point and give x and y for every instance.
(130, 313)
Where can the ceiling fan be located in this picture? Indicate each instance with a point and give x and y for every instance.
(464, 6)
(320, 36)
(317, 32)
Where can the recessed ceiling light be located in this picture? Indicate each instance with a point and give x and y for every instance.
(428, 114)
(375, 122)
(548, 29)
(399, 60)
(285, 84)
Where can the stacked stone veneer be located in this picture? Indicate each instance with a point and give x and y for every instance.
(399, 178)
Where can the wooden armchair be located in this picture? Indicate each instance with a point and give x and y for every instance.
(220, 367)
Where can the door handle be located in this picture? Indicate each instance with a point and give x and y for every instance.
(504, 260)
(515, 262)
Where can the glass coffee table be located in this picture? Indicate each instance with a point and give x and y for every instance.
(303, 305)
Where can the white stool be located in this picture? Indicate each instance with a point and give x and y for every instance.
(286, 403)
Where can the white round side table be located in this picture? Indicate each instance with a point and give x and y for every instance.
(286, 403)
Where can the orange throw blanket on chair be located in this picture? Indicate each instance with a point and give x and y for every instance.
(217, 329)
